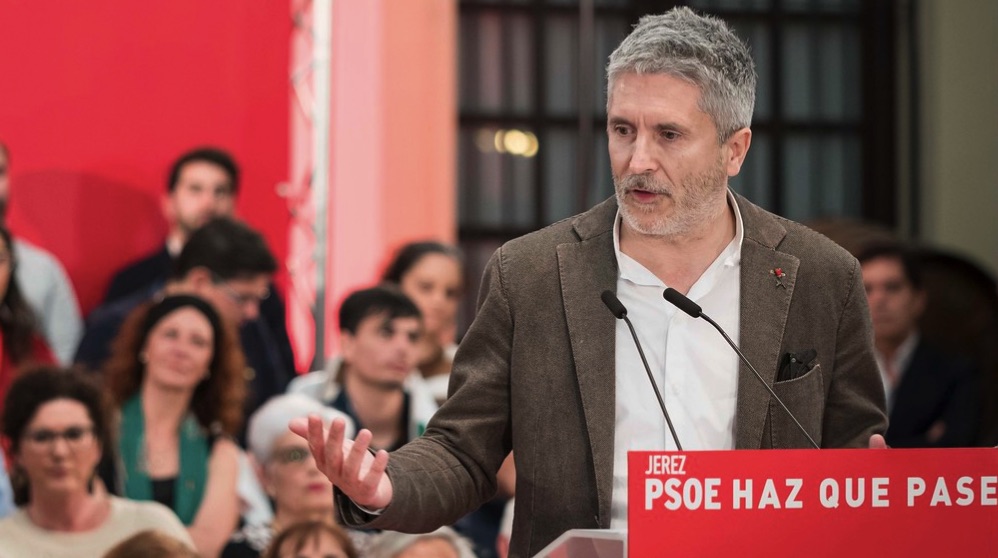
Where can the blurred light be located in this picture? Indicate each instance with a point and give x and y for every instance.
(511, 142)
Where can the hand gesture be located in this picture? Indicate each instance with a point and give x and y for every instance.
(347, 463)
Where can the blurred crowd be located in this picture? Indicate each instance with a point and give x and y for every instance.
(158, 426)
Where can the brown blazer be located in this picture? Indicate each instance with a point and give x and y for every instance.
(535, 374)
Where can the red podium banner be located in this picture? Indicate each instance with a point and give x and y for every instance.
(855, 503)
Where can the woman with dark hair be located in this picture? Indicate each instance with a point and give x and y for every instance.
(176, 378)
(430, 274)
(20, 343)
(55, 428)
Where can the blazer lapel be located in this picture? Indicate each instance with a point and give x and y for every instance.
(587, 268)
(765, 303)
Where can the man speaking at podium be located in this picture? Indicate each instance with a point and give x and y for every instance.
(546, 371)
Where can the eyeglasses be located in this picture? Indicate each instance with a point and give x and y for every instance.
(241, 299)
(288, 456)
(75, 437)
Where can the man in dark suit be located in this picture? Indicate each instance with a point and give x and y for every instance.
(932, 396)
(547, 372)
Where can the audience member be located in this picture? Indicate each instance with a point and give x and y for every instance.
(287, 471)
(226, 263)
(176, 380)
(932, 398)
(373, 382)
(201, 186)
(442, 543)
(151, 544)
(56, 429)
(312, 539)
(429, 273)
(20, 344)
(44, 283)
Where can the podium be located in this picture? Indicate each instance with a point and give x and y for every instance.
(815, 503)
(587, 543)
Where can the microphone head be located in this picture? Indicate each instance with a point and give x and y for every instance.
(614, 305)
(680, 301)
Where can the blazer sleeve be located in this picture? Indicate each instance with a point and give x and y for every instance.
(855, 405)
(451, 470)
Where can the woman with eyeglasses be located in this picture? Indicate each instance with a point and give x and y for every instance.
(176, 381)
(297, 489)
(21, 345)
(54, 426)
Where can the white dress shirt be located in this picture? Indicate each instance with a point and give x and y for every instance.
(696, 371)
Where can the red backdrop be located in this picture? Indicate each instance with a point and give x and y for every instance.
(98, 97)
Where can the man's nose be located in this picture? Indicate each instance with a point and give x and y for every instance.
(250, 310)
(643, 156)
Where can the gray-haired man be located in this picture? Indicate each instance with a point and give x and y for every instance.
(545, 370)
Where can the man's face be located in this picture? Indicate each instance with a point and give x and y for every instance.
(239, 299)
(669, 172)
(203, 192)
(383, 351)
(895, 304)
(4, 182)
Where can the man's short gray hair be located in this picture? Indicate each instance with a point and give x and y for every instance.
(702, 50)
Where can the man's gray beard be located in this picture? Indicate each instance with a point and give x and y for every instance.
(691, 214)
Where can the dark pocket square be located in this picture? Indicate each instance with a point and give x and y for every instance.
(795, 365)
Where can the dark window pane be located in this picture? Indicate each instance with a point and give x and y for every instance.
(821, 72)
(821, 176)
(722, 5)
(826, 6)
(562, 184)
(561, 47)
(496, 181)
(496, 63)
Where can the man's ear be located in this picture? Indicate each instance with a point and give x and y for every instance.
(199, 277)
(347, 345)
(166, 206)
(735, 149)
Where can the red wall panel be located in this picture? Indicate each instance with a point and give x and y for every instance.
(98, 97)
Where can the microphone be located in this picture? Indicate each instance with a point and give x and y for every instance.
(617, 309)
(679, 300)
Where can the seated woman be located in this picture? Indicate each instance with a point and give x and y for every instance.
(312, 538)
(21, 345)
(442, 543)
(55, 427)
(430, 274)
(176, 377)
(287, 471)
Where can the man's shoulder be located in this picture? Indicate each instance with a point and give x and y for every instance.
(151, 268)
(793, 238)
(597, 222)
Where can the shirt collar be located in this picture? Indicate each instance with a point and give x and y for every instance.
(632, 271)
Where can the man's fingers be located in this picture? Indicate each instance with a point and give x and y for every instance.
(355, 457)
(877, 442)
(316, 442)
(333, 449)
(377, 469)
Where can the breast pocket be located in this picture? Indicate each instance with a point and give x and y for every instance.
(805, 397)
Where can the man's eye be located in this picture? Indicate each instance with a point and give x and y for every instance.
(670, 135)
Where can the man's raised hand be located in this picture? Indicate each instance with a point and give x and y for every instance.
(347, 463)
